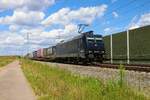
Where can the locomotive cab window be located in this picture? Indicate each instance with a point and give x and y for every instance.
(98, 40)
(90, 40)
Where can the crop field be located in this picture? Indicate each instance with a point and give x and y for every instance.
(51, 83)
(4, 60)
(138, 40)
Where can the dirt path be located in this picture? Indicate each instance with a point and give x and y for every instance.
(13, 84)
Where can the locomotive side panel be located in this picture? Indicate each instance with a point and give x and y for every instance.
(69, 49)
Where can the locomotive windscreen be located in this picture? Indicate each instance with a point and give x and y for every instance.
(94, 40)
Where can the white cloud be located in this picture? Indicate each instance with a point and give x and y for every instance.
(107, 30)
(11, 38)
(115, 14)
(25, 4)
(69, 31)
(13, 28)
(133, 26)
(27, 18)
(14, 39)
(14, 43)
(59, 17)
(40, 36)
(142, 21)
(114, 1)
(10, 4)
(66, 15)
(111, 30)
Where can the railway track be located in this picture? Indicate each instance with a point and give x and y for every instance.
(134, 67)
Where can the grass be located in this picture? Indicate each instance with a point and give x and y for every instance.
(4, 60)
(51, 83)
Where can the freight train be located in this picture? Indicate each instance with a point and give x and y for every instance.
(86, 48)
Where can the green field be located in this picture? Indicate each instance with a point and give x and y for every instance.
(51, 83)
(139, 44)
(4, 60)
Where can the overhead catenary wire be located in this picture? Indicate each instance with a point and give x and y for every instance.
(118, 20)
(119, 8)
(125, 11)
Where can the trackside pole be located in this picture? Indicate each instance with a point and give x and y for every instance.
(128, 45)
(28, 48)
(111, 49)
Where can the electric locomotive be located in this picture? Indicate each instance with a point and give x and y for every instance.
(86, 47)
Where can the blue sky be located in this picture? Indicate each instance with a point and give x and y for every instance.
(50, 21)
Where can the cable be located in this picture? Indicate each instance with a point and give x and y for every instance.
(136, 8)
(139, 6)
(120, 7)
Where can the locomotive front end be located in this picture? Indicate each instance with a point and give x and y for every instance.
(95, 47)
